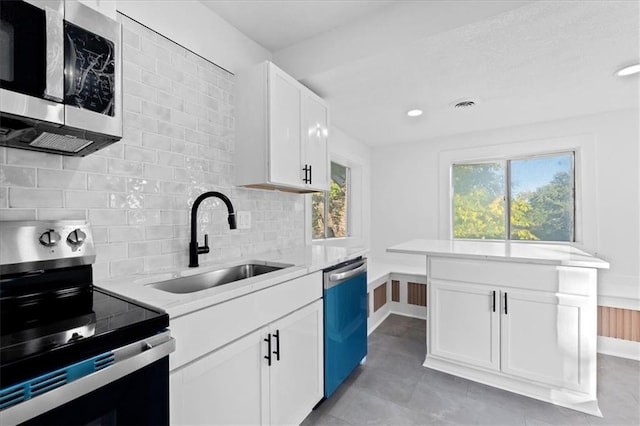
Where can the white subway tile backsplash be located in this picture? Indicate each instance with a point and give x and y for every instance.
(84, 199)
(153, 171)
(170, 101)
(131, 54)
(159, 232)
(162, 262)
(143, 155)
(106, 183)
(170, 130)
(62, 214)
(144, 217)
(147, 186)
(144, 248)
(95, 164)
(132, 103)
(17, 214)
(105, 217)
(115, 150)
(155, 141)
(178, 143)
(21, 157)
(126, 233)
(133, 86)
(171, 159)
(140, 121)
(100, 234)
(17, 176)
(109, 252)
(62, 179)
(131, 38)
(126, 201)
(34, 198)
(124, 167)
(125, 268)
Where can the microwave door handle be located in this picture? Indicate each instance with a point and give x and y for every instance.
(54, 89)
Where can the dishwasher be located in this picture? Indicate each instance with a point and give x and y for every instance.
(345, 321)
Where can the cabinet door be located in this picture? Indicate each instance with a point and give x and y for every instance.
(296, 378)
(284, 131)
(315, 133)
(463, 325)
(228, 386)
(543, 338)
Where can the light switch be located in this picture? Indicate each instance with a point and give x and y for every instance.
(244, 220)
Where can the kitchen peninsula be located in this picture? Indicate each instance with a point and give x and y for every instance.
(515, 315)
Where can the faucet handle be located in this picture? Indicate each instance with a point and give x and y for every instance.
(205, 247)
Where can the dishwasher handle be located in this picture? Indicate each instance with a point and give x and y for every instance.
(348, 274)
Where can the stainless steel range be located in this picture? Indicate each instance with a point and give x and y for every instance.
(71, 353)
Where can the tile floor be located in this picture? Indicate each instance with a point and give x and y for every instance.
(392, 388)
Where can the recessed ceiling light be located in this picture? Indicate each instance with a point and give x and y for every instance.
(631, 69)
(414, 113)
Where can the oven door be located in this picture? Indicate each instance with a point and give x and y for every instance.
(32, 59)
(133, 390)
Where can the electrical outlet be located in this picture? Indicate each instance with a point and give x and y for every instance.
(244, 220)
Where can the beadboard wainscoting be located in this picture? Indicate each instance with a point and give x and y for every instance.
(178, 142)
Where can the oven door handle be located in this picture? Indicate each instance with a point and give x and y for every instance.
(127, 359)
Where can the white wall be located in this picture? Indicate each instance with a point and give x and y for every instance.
(197, 28)
(406, 186)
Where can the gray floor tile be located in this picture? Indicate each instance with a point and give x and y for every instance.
(393, 388)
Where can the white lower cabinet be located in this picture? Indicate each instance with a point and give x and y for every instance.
(270, 376)
(463, 326)
(527, 335)
(543, 340)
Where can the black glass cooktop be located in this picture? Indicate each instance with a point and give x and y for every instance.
(42, 332)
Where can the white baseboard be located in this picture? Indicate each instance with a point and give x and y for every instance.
(618, 347)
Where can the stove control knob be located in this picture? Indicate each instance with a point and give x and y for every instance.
(49, 238)
(76, 237)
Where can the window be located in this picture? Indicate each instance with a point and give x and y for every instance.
(330, 210)
(538, 192)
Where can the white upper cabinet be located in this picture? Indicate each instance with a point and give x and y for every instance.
(282, 132)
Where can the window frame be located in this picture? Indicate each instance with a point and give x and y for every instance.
(576, 155)
(539, 140)
(326, 206)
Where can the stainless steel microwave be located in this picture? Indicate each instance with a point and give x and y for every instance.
(60, 77)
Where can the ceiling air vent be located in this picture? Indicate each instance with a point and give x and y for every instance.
(464, 104)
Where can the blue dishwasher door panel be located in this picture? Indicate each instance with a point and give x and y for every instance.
(345, 330)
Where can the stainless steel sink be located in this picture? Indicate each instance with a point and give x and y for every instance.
(218, 277)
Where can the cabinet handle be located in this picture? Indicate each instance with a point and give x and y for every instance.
(268, 355)
(493, 302)
(505, 304)
(277, 351)
(310, 175)
(307, 173)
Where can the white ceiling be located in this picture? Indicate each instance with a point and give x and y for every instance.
(524, 61)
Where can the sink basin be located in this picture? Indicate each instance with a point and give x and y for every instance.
(217, 277)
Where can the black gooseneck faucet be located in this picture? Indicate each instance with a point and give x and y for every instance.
(194, 249)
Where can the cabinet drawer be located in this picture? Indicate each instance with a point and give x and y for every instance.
(203, 331)
(495, 273)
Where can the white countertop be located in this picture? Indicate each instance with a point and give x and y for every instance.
(525, 252)
(305, 260)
